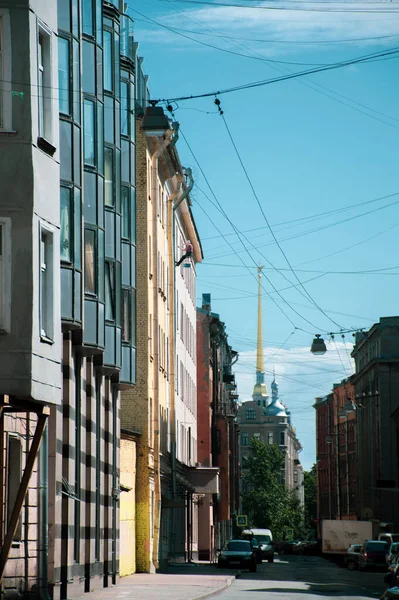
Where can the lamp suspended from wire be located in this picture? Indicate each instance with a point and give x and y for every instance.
(154, 123)
(318, 347)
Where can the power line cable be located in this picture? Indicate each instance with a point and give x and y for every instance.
(239, 236)
(269, 226)
(310, 217)
(289, 9)
(317, 229)
(255, 84)
(295, 42)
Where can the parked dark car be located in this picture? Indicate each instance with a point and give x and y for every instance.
(352, 556)
(288, 547)
(373, 554)
(237, 552)
(393, 554)
(309, 547)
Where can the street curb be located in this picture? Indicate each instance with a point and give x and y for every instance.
(223, 588)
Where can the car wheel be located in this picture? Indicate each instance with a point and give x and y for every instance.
(252, 568)
(351, 565)
(219, 564)
(270, 559)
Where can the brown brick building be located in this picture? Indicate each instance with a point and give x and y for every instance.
(217, 429)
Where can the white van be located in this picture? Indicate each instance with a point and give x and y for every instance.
(264, 538)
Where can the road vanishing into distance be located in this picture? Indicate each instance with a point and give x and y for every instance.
(304, 578)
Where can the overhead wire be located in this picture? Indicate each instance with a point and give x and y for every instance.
(268, 223)
(295, 42)
(240, 238)
(280, 272)
(289, 9)
(323, 227)
(256, 84)
(310, 217)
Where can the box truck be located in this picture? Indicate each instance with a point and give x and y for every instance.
(337, 536)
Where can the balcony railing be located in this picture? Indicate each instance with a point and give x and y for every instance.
(127, 40)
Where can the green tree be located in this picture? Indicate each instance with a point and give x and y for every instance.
(266, 500)
(310, 498)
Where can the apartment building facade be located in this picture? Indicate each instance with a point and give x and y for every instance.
(162, 406)
(67, 132)
(217, 432)
(336, 454)
(376, 380)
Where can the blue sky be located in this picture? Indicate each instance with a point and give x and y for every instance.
(325, 143)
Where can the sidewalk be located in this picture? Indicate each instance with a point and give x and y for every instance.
(180, 583)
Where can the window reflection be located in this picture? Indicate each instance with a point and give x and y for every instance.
(87, 10)
(126, 315)
(66, 150)
(125, 211)
(125, 160)
(90, 261)
(124, 108)
(65, 222)
(109, 291)
(88, 126)
(88, 79)
(63, 75)
(109, 129)
(108, 176)
(108, 74)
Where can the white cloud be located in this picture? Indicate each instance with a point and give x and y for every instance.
(290, 26)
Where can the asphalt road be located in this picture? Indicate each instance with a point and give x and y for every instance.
(304, 578)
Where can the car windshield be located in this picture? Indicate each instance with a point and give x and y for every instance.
(355, 548)
(395, 548)
(376, 547)
(238, 546)
(264, 539)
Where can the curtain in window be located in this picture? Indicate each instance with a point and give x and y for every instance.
(126, 315)
(90, 263)
(65, 233)
(109, 176)
(88, 127)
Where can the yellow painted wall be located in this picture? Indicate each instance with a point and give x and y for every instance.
(127, 558)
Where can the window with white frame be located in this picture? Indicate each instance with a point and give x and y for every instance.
(44, 84)
(46, 285)
(5, 275)
(5, 71)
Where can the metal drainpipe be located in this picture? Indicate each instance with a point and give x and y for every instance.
(337, 475)
(43, 508)
(187, 189)
(329, 463)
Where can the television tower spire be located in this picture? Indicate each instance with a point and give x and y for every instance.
(260, 394)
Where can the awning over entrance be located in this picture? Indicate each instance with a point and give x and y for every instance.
(205, 480)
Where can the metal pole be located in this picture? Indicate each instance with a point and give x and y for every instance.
(337, 475)
(347, 468)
